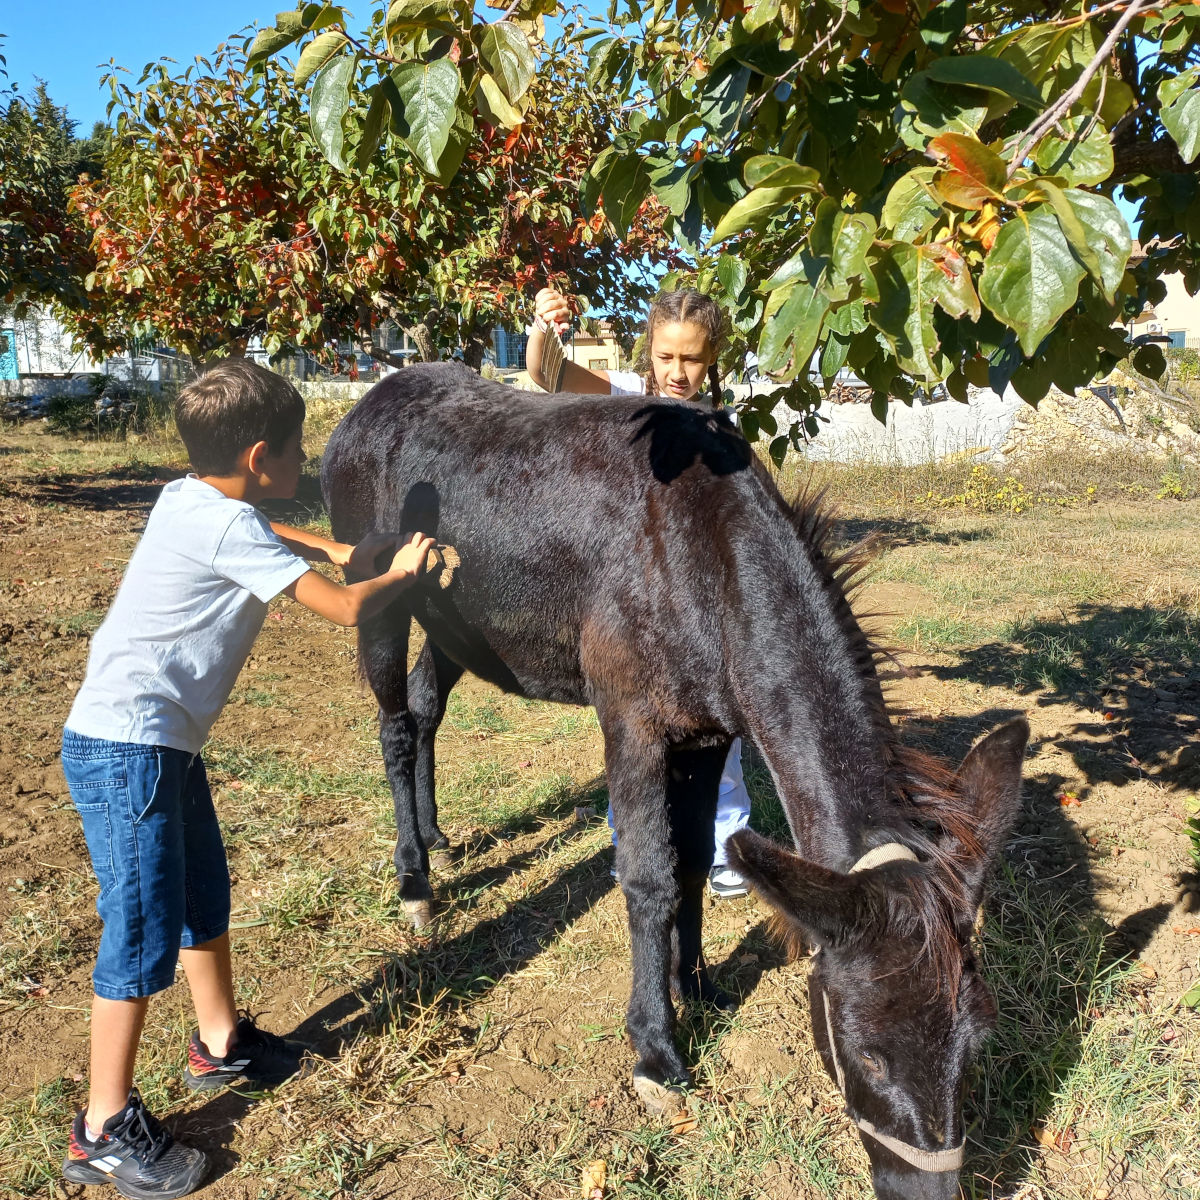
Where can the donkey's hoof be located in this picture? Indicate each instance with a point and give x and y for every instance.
(420, 912)
(444, 857)
(659, 1098)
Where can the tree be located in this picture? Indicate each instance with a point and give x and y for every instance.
(919, 191)
(46, 255)
(221, 219)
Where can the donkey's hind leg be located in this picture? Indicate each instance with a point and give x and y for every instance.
(429, 683)
(694, 777)
(383, 651)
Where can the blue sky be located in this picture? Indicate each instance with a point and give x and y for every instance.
(69, 43)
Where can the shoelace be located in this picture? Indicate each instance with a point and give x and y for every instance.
(141, 1131)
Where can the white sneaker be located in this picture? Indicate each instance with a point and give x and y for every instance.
(726, 884)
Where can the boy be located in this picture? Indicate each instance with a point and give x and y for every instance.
(160, 669)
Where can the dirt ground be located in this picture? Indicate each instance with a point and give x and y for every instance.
(1107, 776)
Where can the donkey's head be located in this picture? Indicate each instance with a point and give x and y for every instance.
(897, 1002)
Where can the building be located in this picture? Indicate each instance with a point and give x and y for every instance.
(1176, 317)
(1179, 314)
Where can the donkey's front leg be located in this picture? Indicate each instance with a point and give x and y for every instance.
(637, 783)
(693, 784)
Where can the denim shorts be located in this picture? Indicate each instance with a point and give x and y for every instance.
(156, 848)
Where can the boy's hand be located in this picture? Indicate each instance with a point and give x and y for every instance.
(364, 559)
(410, 558)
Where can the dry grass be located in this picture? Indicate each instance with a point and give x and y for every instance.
(488, 1059)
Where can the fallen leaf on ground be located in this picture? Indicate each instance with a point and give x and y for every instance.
(1068, 799)
(591, 1187)
(683, 1122)
(1054, 1140)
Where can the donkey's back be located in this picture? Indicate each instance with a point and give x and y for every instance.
(583, 523)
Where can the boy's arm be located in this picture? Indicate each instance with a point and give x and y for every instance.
(312, 546)
(355, 603)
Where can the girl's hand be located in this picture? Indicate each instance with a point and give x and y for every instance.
(553, 308)
(410, 558)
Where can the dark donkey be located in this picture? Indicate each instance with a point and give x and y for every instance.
(635, 556)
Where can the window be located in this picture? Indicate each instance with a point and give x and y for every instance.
(1177, 338)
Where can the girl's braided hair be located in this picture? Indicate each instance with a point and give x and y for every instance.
(676, 307)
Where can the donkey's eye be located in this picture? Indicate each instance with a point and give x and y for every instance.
(872, 1062)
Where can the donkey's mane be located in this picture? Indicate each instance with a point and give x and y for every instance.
(925, 808)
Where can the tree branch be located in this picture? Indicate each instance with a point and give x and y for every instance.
(1159, 157)
(1041, 125)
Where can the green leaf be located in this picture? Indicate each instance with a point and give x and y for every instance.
(1150, 360)
(316, 54)
(418, 14)
(1031, 277)
(321, 16)
(506, 53)
(754, 210)
(1097, 232)
(833, 355)
(604, 61)
(1180, 115)
(911, 210)
(379, 113)
(773, 170)
(722, 98)
(462, 130)
(842, 237)
(943, 25)
(1080, 161)
(928, 108)
(733, 273)
(288, 28)
(328, 104)
(429, 93)
(909, 285)
(493, 105)
(671, 182)
(990, 74)
(623, 181)
(791, 332)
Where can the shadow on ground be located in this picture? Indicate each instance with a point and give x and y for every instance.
(1135, 669)
(129, 486)
(435, 971)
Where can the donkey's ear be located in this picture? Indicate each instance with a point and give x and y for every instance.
(990, 779)
(823, 905)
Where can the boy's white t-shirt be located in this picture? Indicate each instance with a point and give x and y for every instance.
(193, 599)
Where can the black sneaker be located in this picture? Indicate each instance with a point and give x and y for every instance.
(256, 1057)
(725, 883)
(135, 1154)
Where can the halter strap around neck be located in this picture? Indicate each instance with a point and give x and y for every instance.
(924, 1160)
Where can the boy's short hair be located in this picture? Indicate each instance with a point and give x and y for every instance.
(228, 407)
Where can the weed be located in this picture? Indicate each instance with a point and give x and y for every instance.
(1173, 486)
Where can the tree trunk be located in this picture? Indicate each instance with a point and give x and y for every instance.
(423, 339)
(476, 340)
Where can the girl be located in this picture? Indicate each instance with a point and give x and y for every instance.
(683, 336)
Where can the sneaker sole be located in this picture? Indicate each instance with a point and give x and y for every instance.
(81, 1172)
(214, 1083)
(727, 893)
